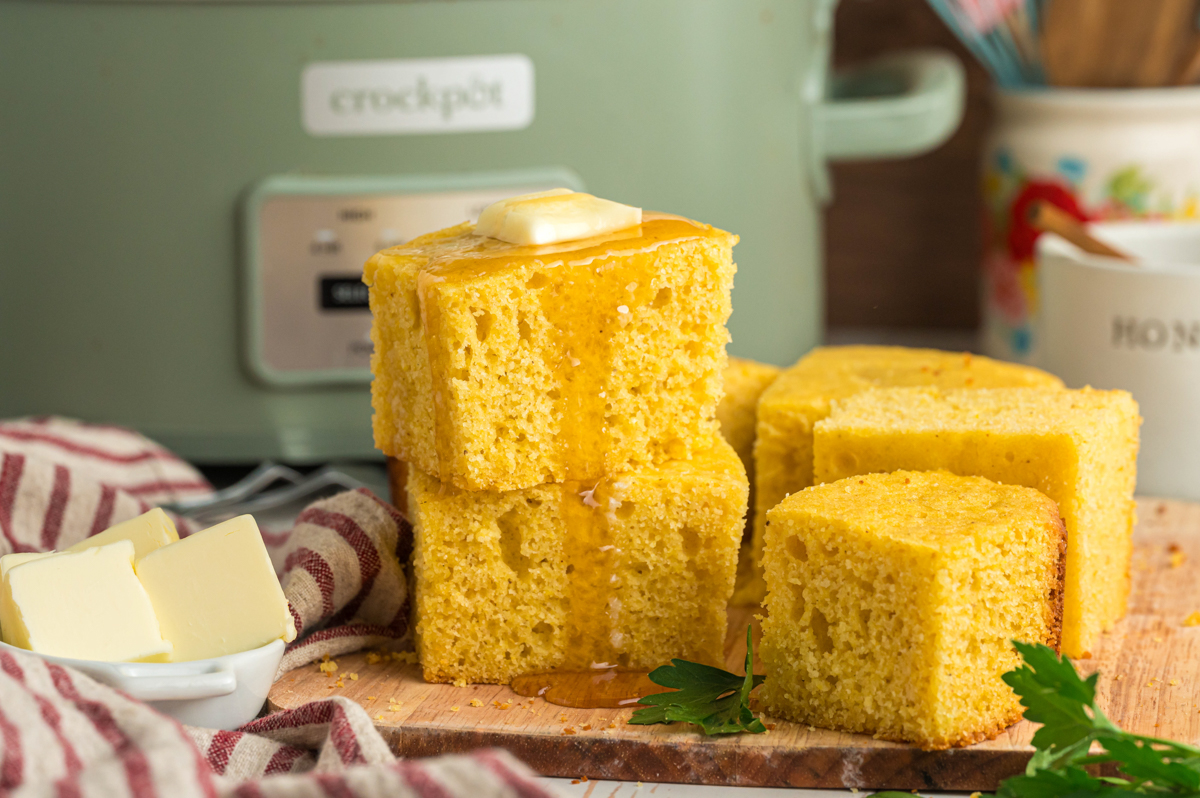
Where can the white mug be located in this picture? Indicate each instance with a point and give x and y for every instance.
(1112, 324)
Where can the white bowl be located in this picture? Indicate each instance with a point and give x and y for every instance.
(219, 693)
(1110, 324)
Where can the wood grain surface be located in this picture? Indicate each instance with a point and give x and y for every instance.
(1150, 684)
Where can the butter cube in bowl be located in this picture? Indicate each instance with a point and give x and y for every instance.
(195, 627)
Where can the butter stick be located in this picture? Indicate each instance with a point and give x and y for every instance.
(216, 593)
(83, 605)
(147, 532)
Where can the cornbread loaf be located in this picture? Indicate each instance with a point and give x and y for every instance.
(745, 381)
(804, 394)
(500, 367)
(630, 570)
(892, 600)
(1077, 447)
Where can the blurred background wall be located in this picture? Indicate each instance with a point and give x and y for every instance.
(902, 237)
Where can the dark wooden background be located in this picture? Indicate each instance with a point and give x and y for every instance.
(902, 238)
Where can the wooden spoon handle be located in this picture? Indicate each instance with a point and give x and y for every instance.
(1050, 219)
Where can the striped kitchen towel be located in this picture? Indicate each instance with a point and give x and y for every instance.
(62, 733)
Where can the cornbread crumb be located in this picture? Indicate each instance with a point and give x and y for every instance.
(568, 730)
(1178, 558)
(379, 717)
(374, 658)
(1077, 447)
(352, 677)
(475, 702)
(893, 599)
(535, 579)
(327, 667)
(500, 367)
(1193, 619)
(806, 392)
(454, 709)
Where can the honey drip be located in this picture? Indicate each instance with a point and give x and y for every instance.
(581, 360)
(593, 583)
(612, 688)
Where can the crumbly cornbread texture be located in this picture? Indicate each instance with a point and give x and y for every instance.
(804, 394)
(745, 381)
(893, 597)
(631, 570)
(499, 367)
(1077, 447)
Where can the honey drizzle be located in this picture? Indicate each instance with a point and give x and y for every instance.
(611, 688)
(594, 609)
(585, 328)
(467, 256)
(581, 360)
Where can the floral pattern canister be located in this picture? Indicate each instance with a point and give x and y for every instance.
(1098, 154)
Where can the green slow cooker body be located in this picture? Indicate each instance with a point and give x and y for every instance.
(130, 133)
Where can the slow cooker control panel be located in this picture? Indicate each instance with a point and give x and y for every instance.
(307, 320)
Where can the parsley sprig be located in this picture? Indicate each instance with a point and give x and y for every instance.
(715, 700)
(1055, 696)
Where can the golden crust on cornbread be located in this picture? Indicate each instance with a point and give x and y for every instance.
(631, 570)
(805, 392)
(1078, 447)
(499, 367)
(893, 599)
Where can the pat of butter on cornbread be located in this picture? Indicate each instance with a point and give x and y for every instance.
(83, 605)
(550, 217)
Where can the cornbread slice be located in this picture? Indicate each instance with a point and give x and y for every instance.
(500, 367)
(630, 570)
(745, 381)
(893, 599)
(804, 394)
(1077, 447)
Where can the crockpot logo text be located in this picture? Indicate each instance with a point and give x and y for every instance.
(1155, 335)
(417, 95)
(422, 96)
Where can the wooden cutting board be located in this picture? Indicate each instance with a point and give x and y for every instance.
(1150, 684)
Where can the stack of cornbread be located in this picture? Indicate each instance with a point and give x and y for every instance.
(948, 518)
(550, 378)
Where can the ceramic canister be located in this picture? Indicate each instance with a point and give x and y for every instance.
(1111, 324)
(1098, 154)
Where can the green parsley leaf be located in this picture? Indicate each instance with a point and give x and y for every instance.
(1054, 695)
(714, 699)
